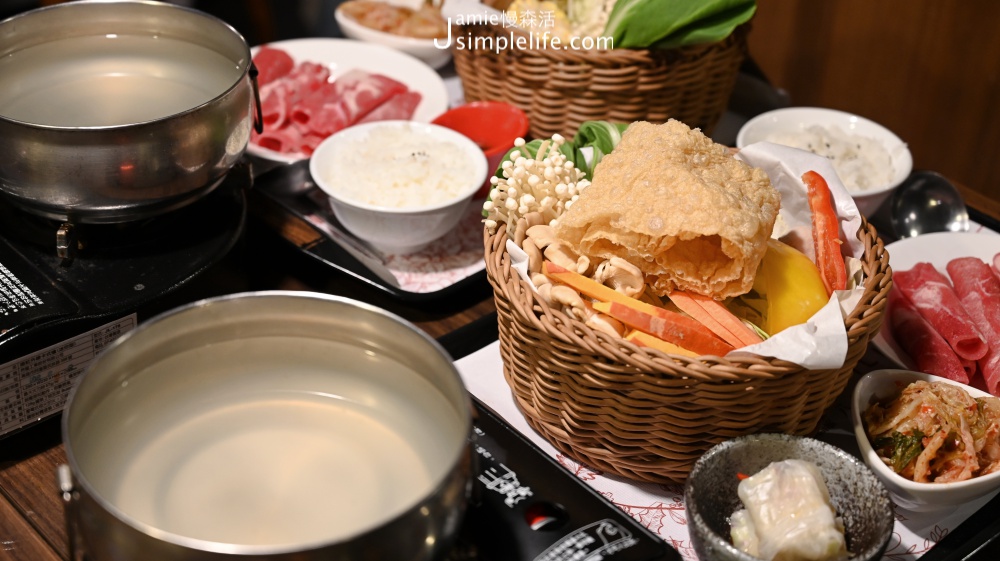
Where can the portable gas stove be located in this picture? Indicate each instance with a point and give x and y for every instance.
(67, 290)
(58, 311)
(527, 507)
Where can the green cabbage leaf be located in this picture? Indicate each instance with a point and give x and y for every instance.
(667, 24)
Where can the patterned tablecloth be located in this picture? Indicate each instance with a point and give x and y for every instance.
(661, 507)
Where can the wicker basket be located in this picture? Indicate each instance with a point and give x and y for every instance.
(560, 89)
(648, 416)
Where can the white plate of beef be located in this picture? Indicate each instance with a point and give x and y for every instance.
(325, 85)
(937, 249)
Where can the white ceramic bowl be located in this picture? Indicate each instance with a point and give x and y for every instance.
(910, 495)
(423, 49)
(795, 119)
(396, 230)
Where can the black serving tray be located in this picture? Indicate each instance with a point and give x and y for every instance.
(976, 539)
(287, 201)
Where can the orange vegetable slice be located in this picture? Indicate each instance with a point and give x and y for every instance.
(669, 326)
(716, 317)
(647, 340)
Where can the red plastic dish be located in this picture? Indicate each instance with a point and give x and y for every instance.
(493, 125)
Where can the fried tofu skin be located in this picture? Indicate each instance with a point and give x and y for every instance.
(680, 207)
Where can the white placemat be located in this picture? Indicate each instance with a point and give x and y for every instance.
(661, 507)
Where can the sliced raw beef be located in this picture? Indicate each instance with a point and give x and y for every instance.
(342, 103)
(971, 367)
(979, 289)
(302, 104)
(319, 112)
(274, 104)
(971, 274)
(399, 107)
(360, 92)
(284, 140)
(989, 365)
(929, 351)
(306, 79)
(933, 296)
(272, 64)
(310, 142)
(279, 97)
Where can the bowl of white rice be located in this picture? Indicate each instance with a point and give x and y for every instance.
(870, 160)
(398, 185)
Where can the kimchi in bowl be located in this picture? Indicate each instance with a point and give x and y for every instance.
(881, 385)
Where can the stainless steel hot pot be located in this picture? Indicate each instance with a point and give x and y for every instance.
(125, 171)
(260, 415)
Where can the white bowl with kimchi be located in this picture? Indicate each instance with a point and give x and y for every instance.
(417, 32)
(936, 442)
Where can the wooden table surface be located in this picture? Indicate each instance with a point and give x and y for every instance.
(32, 524)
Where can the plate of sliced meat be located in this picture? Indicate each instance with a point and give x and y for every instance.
(943, 316)
(312, 88)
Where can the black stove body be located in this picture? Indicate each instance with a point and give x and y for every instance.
(67, 290)
(527, 507)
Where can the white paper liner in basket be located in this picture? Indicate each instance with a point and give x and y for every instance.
(820, 343)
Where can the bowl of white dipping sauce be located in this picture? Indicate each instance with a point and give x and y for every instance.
(398, 185)
(277, 425)
(870, 160)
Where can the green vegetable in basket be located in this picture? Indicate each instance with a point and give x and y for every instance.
(666, 24)
(593, 140)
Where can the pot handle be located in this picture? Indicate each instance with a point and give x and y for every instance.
(69, 498)
(258, 120)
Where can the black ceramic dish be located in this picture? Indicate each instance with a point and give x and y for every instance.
(710, 494)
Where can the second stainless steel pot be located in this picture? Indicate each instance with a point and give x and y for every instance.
(276, 425)
(56, 162)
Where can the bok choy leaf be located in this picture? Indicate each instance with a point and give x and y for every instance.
(640, 24)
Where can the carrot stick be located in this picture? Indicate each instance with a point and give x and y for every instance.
(587, 286)
(715, 316)
(825, 230)
(647, 340)
(663, 324)
(670, 326)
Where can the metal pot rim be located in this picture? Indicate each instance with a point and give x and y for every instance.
(79, 480)
(244, 64)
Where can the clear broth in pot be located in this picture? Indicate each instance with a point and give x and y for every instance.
(110, 80)
(270, 441)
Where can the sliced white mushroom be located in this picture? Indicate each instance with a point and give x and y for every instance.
(606, 324)
(533, 219)
(520, 230)
(564, 256)
(545, 292)
(621, 275)
(569, 299)
(543, 235)
(534, 256)
(538, 279)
